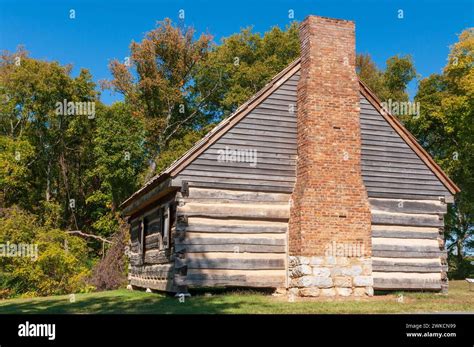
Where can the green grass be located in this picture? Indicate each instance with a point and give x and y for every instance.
(459, 299)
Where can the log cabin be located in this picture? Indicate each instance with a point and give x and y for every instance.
(311, 186)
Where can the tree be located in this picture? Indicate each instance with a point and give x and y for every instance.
(445, 128)
(390, 83)
(118, 155)
(243, 64)
(157, 83)
(15, 160)
(55, 143)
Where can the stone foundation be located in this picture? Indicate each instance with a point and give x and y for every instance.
(330, 276)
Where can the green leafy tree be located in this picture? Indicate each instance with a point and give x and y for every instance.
(390, 83)
(243, 63)
(157, 83)
(15, 156)
(119, 156)
(57, 149)
(446, 129)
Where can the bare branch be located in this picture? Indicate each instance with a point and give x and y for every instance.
(78, 232)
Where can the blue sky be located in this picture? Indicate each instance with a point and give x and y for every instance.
(103, 30)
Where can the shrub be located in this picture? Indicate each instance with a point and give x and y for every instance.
(59, 266)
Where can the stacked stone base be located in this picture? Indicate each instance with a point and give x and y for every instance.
(330, 276)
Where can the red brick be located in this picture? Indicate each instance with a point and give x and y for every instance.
(329, 200)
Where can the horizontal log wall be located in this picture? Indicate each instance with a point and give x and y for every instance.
(231, 238)
(408, 250)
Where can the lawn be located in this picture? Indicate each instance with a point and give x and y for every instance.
(459, 299)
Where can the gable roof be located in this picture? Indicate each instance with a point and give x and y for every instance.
(217, 132)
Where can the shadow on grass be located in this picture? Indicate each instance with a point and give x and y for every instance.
(244, 301)
(123, 302)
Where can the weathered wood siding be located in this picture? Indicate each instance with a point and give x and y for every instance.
(270, 131)
(231, 238)
(390, 168)
(407, 214)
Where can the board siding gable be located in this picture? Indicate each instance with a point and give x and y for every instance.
(259, 150)
(390, 167)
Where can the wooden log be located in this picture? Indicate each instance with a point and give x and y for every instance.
(249, 211)
(225, 240)
(403, 234)
(273, 228)
(406, 219)
(203, 277)
(405, 248)
(207, 225)
(396, 268)
(194, 281)
(406, 254)
(234, 263)
(400, 284)
(405, 262)
(235, 248)
(411, 269)
(408, 206)
(203, 280)
(134, 246)
(232, 195)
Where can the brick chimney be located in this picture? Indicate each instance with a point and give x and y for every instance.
(329, 229)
